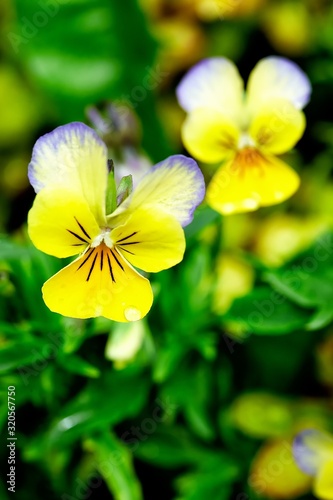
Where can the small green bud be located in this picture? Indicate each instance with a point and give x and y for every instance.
(124, 189)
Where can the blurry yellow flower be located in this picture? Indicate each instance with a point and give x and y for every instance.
(181, 38)
(313, 453)
(261, 415)
(219, 9)
(274, 473)
(69, 172)
(182, 44)
(282, 236)
(234, 279)
(288, 26)
(245, 133)
(13, 176)
(18, 108)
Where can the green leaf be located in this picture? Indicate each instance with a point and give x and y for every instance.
(124, 189)
(12, 251)
(20, 353)
(308, 280)
(265, 312)
(82, 55)
(114, 462)
(168, 357)
(79, 366)
(203, 216)
(172, 447)
(212, 470)
(190, 389)
(321, 318)
(28, 270)
(111, 196)
(104, 402)
(213, 482)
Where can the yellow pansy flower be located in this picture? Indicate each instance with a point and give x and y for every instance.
(245, 131)
(69, 172)
(313, 453)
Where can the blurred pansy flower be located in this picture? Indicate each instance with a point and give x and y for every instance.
(282, 236)
(69, 172)
(210, 10)
(274, 474)
(234, 279)
(289, 26)
(313, 453)
(245, 131)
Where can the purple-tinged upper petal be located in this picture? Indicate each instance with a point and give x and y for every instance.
(278, 77)
(212, 83)
(73, 157)
(311, 448)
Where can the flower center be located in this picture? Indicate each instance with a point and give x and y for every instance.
(245, 141)
(104, 236)
(248, 157)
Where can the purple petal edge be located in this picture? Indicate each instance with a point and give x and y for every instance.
(52, 140)
(192, 166)
(193, 77)
(290, 67)
(303, 455)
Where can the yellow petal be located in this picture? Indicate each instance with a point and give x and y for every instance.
(249, 181)
(60, 222)
(150, 240)
(209, 136)
(277, 126)
(174, 186)
(72, 157)
(99, 283)
(323, 484)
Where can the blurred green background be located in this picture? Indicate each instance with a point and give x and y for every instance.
(202, 398)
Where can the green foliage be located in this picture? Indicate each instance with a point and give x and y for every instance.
(115, 465)
(308, 280)
(202, 389)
